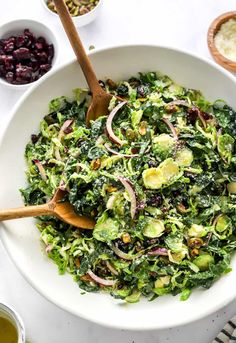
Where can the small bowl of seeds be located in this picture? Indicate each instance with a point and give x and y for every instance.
(82, 12)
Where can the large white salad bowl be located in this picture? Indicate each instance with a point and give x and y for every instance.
(21, 237)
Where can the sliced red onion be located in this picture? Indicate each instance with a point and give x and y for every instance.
(122, 254)
(200, 117)
(111, 268)
(118, 153)
(171, 127)
(159, 251)
(48, 248)
(103, 282)
(62, 132)
(65, 126)
(41, 169)
(110, 132)
(131, 192)
(208, 238)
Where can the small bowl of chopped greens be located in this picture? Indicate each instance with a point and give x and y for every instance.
(157, 175)
(82, 12)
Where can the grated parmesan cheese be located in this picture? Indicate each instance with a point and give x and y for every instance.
(225, 39)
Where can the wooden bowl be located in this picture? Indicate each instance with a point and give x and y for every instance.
(213, 29)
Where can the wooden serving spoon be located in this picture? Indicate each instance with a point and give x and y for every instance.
(99, 106)
(100, 99)
(55, 207)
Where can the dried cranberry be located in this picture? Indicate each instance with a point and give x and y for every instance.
(9, 62)
(20, 41)
(2, 70)
(9, 76)
(41, 40)
(176, 194)
(164, 209)
(9, 47)
(206, 115)
(34, 138)
(10, 40)
(152, 241)
(142, 91)
(50, 52)
(23, 72)
(42, 56)
(135, 150)
(27, 41)
(29, 34)
(141, 205)
(29, 38)
(39, 46)
(33, 63)
(45, 67)
(192, 115)
(22, 54)
(2, 58)
(155, 200)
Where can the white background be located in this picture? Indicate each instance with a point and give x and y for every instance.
(177, 23)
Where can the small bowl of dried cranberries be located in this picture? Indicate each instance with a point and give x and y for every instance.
(28, 50)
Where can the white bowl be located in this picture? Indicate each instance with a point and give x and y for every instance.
(16, 27)
(21, 237)
(80, 20)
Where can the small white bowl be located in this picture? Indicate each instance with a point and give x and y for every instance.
(16, 27)
(14, 318)
(80, 20)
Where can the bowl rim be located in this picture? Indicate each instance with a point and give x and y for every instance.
(55, 43)
(86, 15)
(212, 31)
(3, 132)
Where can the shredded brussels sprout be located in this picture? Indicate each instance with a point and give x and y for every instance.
(164, 200)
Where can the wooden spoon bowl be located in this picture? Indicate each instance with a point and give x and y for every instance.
(100, 99)
(55, 207)
(213, 29)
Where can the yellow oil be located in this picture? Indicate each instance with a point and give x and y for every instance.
(8, 332)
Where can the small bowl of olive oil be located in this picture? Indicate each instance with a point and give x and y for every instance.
(11, 326)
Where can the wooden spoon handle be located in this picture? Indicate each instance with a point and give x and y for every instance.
(28, 211)
(77, 46)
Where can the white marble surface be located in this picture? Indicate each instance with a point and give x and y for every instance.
(178, 23)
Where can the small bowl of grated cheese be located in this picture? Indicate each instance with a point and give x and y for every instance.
(221, 39)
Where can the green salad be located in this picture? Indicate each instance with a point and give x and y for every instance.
(157, 175)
